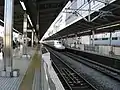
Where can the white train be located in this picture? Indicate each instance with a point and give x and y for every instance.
(55, 44)
(106, 41)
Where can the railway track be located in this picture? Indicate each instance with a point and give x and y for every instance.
(70, 79)
(114, 73)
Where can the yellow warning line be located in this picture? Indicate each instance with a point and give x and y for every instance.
(29, 76)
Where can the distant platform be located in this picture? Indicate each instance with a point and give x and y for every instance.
(105, 55)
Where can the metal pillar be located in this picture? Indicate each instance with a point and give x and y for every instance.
(110, 38)
(61, 40)
(93, 38)
(80, 40)
(76, 40)
(111, 47)
(32, 40)
(66, 41)
(25, 35)
(8, 35)
(89, 10)
(37, 26)
(90, 39)
(35, 39)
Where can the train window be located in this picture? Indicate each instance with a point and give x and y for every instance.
(60, 42)
(114, 38)
(104, 38)
(96, 38)
(99, 38)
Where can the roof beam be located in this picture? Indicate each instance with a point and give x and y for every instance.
(48, 15)
(49, 1)
(48, 10)
(51, 5)
(103, 1)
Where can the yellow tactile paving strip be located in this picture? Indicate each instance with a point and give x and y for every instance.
(29, 76)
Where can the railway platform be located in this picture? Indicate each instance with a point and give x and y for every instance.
(101, 50)
(96, 53)
(36, 72)
(110, 61)
(29, 78)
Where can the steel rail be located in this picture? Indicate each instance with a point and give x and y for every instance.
(84, 81)
(114, 73)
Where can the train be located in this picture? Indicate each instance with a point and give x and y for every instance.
(115, 41)
(104, 38)
(56, 44)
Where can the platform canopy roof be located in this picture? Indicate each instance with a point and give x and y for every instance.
(45, 10)
(107, 23)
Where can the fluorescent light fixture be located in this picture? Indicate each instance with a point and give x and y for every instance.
(107, 26)
(13, 28)
(16, 30)
(29, 20)
(29, 30)
(1, 21)
(84, 32)
(33, 30)
(23, 5)
(71, 34)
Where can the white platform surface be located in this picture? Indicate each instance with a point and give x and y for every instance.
(51, 72)
(18, 63)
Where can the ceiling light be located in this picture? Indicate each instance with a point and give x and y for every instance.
(108, 26)
(30, 20)
(1, 21)
(13, 28)
(29, 30)
(16, 30)
(33, 30)
(23, 5)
